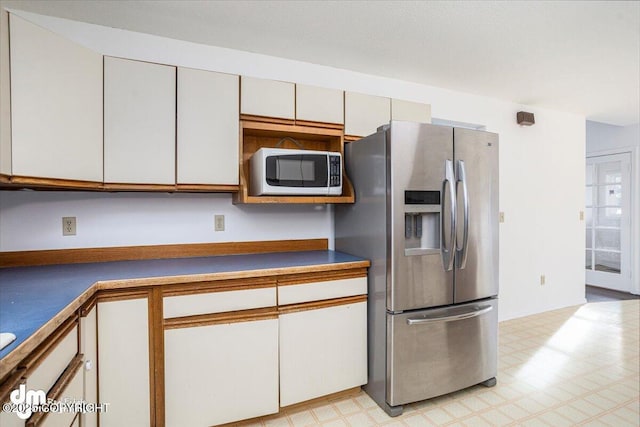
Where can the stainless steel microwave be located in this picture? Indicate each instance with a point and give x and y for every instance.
(281, 171)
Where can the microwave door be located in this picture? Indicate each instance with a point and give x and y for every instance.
(297, 174)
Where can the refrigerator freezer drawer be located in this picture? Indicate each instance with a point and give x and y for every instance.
(438, 351)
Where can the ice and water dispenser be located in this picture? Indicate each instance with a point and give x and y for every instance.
(421, 222)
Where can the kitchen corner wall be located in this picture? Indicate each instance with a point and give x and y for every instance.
(541, 178)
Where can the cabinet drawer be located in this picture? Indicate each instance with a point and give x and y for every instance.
(270, 98)
(73, 392)
(218, 302)
(47, 372)
(316, 291)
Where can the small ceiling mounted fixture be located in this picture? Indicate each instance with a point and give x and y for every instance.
(525, 119)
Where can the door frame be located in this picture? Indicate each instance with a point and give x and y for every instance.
(634, 208)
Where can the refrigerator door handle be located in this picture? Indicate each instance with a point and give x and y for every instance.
(448, 250)
(477, 311)
(461, 251)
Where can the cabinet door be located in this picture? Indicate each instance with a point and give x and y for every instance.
(269, 98)
(89, 347)
(56, 105)
(319, 104)
(208, 123)
(410, 111)
(221, 373)
(139, 122)
(123, 357)
(363, 114)
(322, 351)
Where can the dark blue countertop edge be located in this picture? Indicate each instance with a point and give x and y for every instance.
(31, 297)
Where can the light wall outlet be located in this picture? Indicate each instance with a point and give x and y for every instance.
(219, 222)
(543, 280)
(501, 216)
(581, 215)
(69, 226)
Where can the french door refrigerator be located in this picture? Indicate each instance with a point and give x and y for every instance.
(426, 215)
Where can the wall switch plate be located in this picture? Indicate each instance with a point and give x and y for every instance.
(219, 222)
(501, 216)
(543, 280)
(581, 215)
(69, 226)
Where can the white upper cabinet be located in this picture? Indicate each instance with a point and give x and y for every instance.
(207, 131)
(363, 114)
(269, 98)
(319, 104)
(56, 105)
(139, 122)
(410, 111)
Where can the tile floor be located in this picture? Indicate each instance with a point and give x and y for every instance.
(575, 366)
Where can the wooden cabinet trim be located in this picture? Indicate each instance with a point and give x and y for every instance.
(207, 188)
(299, 279)
(128, 253)
(48, 183)
(122, 294)
(88, 306)
(315, 305)
(265, 119)
(221, 318)
(206, 287)
(12, 383)
(38, 356)
(156, 357)
(58, 388)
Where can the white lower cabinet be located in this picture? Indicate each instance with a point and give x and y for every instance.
(221, 373)
(322, 351)
(89, 347)
(123, 359)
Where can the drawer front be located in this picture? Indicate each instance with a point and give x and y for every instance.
(218, 302)
(317, 291)
(73, 392)
(46, 374)
(438, 351)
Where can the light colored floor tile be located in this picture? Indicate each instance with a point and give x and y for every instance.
(496, 418)
(417, 420)
(335, 423)
(347, 407)
(438, 416)
(457, 410)
(360, 419)
(555, 419)
(476, 421)
(302, 419)
(325, 413)
(378, 415)
(513, 411)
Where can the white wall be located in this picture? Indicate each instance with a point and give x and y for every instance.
(541, 177)
(608, 139)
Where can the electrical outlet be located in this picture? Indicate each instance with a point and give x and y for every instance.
(69, 226)
(543, 280)
(501, 216)
(581, 215)
(219, 222)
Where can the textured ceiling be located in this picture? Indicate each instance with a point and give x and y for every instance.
(576, 56)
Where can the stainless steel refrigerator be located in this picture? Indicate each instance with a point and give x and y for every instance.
(426, 215)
